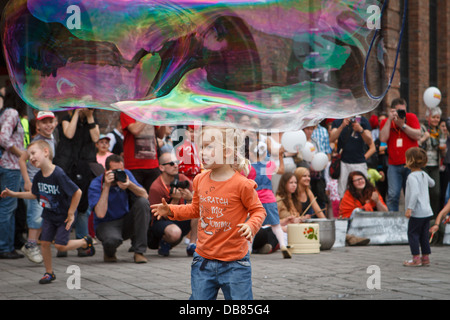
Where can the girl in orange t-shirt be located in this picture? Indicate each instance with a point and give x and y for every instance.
(230, 213)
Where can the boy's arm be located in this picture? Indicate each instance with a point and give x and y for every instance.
(22, 195)
(73, 207)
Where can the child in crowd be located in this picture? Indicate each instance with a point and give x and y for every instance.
(59, 197)
(230, 214)
(261, 172)
(45, 125)
(102, 146)
(417, 205)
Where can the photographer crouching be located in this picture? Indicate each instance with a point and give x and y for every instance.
(121, 209)
(175, 188)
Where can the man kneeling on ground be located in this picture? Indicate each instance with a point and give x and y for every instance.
(121, 209)
(175, 188)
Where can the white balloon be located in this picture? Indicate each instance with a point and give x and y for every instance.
(308, 151)
(432, 97)
(319, 161)
(293, 141)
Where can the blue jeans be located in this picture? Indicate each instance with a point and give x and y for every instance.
(10, 179)
(396, 177)
(234, 278)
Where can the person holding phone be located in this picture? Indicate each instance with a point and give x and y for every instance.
(401, 131)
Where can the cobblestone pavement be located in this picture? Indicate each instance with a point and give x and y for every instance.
(350, 273)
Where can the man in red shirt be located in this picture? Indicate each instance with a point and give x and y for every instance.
(401, 131)
(166, 232)
(140, 149)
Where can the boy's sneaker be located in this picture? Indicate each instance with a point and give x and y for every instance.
(190, 249)
(47, 278)
(32, 252)
(164, 248)
(89, 251)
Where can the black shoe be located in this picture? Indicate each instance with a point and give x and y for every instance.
(11, 255)
(47, 278)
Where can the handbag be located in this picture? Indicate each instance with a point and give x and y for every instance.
(335, 166)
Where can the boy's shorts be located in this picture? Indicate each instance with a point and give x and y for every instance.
(55, 231)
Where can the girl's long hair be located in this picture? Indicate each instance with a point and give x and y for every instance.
(366, 193)
(285, 195)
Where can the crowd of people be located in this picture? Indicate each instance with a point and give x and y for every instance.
(140, 182)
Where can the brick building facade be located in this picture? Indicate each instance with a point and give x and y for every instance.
(425, 52)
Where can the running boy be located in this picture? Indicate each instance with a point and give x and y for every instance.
(45, 125)
(59, 197)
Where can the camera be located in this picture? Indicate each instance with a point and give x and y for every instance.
(401, 114)
(355, 119)
(176, 183)
(120, 175)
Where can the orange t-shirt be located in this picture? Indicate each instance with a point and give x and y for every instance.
(349, 203)
(220, 207)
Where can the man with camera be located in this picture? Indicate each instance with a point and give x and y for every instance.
(175, 188)
(355, 142)
(121, 208)
(401, 131)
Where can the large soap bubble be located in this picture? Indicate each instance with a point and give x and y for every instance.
(288, 63)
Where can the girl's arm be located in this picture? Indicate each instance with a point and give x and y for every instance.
(315, 205)
(281, 158)
(23, 170)
(439, 218)
(69, 128)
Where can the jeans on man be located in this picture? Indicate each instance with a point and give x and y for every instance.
(10, 179)
(396, 177)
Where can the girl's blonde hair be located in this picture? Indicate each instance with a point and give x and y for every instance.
(416, 158)
(299, 173)
(234, 140)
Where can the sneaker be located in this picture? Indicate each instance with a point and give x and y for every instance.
(266, 249)
(33, 253)
(415, 262)
(89, 251)
(190, 249)
(425, 261)
(47, 278)
(164, 248)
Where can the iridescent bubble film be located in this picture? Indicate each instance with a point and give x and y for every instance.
(287, 63)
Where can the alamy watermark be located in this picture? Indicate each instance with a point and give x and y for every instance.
(374, 280)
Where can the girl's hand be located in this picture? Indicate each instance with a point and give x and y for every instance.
(434, 229)
(245, 231)
(408, 213)
(161, 210)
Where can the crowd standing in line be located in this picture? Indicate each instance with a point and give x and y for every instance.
(116, 192)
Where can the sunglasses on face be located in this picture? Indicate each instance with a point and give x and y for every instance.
(172, 163)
